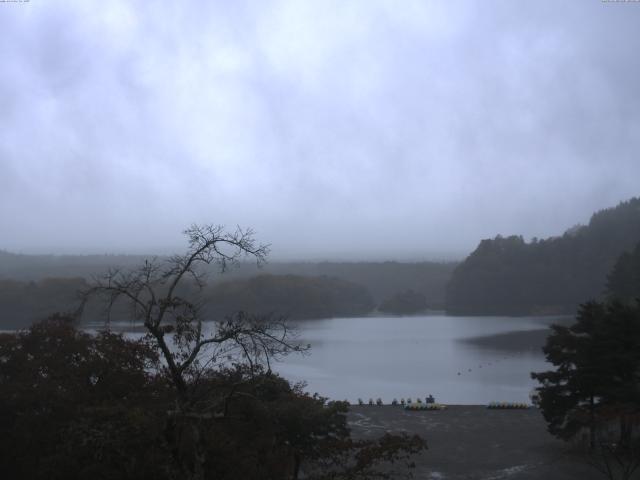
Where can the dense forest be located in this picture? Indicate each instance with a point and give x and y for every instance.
(35, 286)
(37, 267)
(382, 279)
(404, 303)
(623, 282)
(76, 406)
(291, 296)
(508, 275)
(22, 302)
(178, 402)
(504, 275)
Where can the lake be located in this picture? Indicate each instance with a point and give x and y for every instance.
(458, 360)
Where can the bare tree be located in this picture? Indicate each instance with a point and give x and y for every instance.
(155, 291)
(159, 294)
(615, 461)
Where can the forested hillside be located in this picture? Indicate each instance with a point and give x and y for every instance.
(22, 303)
(508, 275)
(623, 283)
(382, 279)
(292, 296)
(37, 267)
(34, 286)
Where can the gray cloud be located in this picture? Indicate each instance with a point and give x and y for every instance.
(369, 129)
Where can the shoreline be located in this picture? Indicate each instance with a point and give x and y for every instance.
(532, 340)
(475, 442)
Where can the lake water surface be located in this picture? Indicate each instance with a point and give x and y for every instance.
(394, 357)
(459, 360)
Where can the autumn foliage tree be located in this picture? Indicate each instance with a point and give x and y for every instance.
(155, 295)
(190, 399)
(75, 405)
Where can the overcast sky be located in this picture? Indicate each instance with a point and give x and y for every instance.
(364, 130)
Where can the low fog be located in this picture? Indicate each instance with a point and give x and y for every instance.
(337, 130)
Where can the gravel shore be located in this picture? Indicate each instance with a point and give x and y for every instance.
(476, 443)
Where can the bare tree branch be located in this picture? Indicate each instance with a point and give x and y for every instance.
(151, 291)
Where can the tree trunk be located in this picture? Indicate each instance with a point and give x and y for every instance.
(625, 431)
(592, 424)
(296, 466)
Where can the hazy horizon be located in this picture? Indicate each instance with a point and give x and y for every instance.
(367, 130)
(403, 257)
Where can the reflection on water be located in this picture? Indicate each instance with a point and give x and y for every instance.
(416, 356)
(459, 360)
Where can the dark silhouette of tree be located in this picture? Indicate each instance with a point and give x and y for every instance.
(37, 286)
(597, 376)
(80, 406)
(231, 417)
(75, 405)
(614, 461)
(156, 294)
(623, 283)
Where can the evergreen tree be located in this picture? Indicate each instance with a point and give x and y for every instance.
(507, 275)
(623, 282)
(597, 373)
